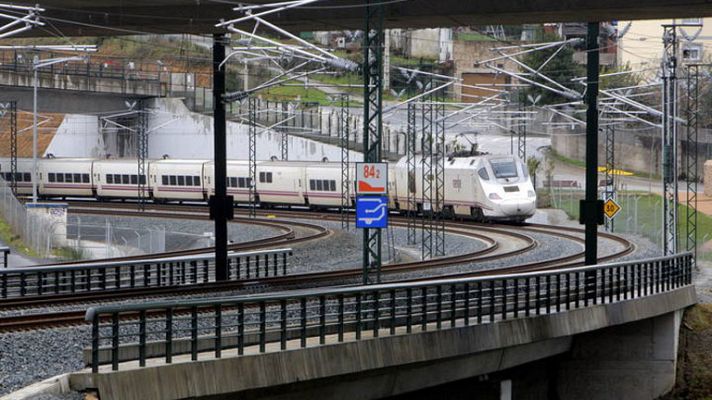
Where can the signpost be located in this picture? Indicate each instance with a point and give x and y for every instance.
(371, 178)
(372, 212)
(611, 208)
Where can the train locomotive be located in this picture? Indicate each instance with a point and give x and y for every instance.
(484, 187)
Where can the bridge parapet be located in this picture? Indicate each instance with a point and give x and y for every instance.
(278, 322)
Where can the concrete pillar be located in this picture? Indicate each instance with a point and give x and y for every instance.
(631, 361)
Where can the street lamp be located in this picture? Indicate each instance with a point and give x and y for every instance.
(36, 65)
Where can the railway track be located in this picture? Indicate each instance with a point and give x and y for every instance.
(482, 232)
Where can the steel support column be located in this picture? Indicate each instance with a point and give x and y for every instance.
(691, 161)
(610, 192)
(669, 142)
(410, 147)
(439, 161)
(9, 110)
(142, 154)
(522, 132)
(218, 201)
(427, 178)
(592, 208)
(252, 150)
(346, 181)
(372, 124)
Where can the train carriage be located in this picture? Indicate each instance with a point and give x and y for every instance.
(118, 178)
(323, 184)
(282, 182)
(172, 180)
(66, 177)
(237, 181)
(506, 187)
(23, 175)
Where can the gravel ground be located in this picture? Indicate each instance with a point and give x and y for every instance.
(31, 357)
(181, 234)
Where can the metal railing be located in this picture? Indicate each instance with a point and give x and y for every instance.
(5, 254)
(214, 326)
(134, 274)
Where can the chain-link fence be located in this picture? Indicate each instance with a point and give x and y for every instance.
(33, 230)
(91, 240)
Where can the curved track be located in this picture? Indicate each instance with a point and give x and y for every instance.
(491, 235)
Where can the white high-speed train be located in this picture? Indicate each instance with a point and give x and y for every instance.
(488, 187)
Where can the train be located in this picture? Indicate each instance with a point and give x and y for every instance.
(483, 187)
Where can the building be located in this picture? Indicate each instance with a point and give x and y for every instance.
(642, 45)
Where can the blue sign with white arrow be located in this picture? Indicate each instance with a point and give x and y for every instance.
(371, 212)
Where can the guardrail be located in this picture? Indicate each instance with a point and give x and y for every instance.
(167, 329)
(5, 254)
(134, 274)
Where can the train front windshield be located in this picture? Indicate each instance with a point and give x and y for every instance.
(504, 169)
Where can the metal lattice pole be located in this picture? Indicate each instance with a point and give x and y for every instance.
(252, 150)
(9, 110)
(522, 133)
(411, 138)
(285, 137)
(610, 192)
(346, 184)
(691, 162)
(372, 125)
(142, 154)
(669, 142)
(426, 236)
(440, 156)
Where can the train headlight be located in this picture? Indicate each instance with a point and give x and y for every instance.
(531, 193)
(494, 196)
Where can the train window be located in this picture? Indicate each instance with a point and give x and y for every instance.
(173, 180)
(68, 178)
(125, 179)
(50, 177)
(60, 178)
(189, 180)
(504, 168)
(312, 184)
(117, 179)
(411, 182)
(77, 178)
(332, 185)
(319, 185)
(265, 177)
(241, 182)
(143, 179)
(109, 178)
(134, 179)
(164, 179)
(27, 177)
(196, 181)
(85, 178)
(483, 174)
(233, 182)
(181, 180)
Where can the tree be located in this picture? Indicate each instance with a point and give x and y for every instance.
(561, 69)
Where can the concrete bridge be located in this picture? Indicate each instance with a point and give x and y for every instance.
(601, 332)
